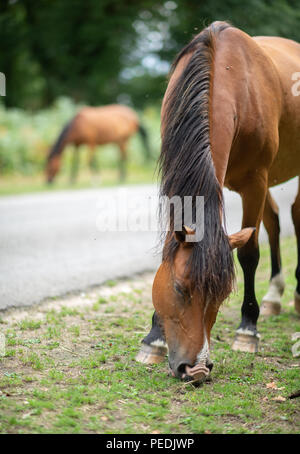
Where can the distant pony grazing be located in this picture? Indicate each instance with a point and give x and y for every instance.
(94, 126)
(229, 118)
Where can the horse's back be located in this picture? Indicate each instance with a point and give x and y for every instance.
(285, 55)
(112, 111)
(105, 124)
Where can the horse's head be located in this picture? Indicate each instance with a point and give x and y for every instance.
(52, 167)
(187, 316)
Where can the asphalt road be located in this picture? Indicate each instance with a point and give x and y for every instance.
(63, 241)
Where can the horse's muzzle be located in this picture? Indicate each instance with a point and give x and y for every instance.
(196, 374)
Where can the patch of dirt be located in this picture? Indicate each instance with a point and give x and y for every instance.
(79, 300)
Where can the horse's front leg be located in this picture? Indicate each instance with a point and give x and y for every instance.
(253, 199)
(154, 347)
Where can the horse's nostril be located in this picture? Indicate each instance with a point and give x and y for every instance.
(181, 369)
(209, 365)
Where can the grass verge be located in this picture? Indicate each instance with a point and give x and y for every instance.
(69, 367)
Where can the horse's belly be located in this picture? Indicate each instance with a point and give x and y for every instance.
(285, 166)
(117, 131)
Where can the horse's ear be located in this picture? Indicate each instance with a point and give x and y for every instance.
(180, 235)
(240, 238)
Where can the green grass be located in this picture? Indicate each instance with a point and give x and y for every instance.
(107, 177)
(72, 370)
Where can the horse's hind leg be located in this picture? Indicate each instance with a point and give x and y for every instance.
(296, 221)
(154, 347)
(271, 301)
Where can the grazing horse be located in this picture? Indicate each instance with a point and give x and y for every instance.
(97, 126)
(230, 117)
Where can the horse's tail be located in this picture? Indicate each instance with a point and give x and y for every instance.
(145, 139)
(61, 141)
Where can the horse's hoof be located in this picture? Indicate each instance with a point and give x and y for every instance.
(297, 302)
(151, 354)
(246, 341)
(270, 308)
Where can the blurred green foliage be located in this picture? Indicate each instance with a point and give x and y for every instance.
(25, 138)
(57, 55)
(102, 51)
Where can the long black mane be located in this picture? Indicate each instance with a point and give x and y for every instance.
(187, 169)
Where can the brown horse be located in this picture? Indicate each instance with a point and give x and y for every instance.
(230, 117)
(94, 126)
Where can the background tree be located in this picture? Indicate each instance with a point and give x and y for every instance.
(102, 51)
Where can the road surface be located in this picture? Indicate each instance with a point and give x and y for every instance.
(63, 241)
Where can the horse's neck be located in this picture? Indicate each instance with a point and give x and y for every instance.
(222, 133)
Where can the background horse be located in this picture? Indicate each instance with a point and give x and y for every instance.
(229, 118)
(94, 126)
